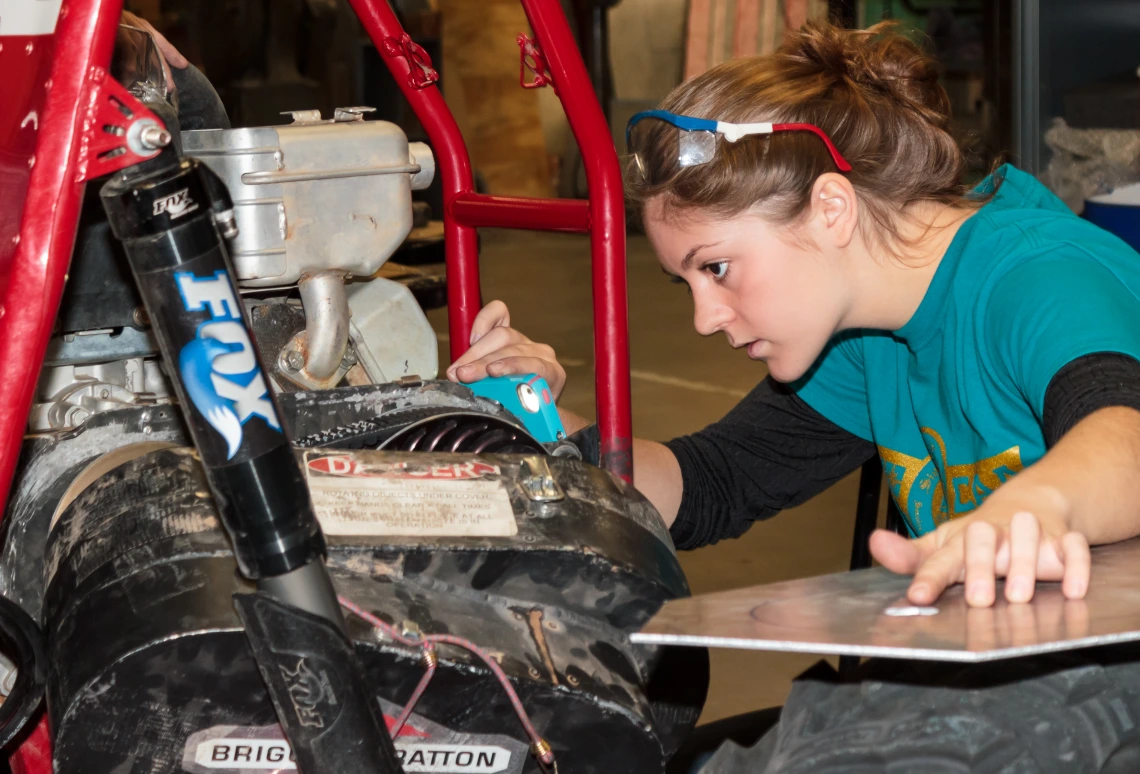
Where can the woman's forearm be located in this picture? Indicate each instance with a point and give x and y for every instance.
(1094, 474)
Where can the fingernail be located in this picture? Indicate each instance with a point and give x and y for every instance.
(920, 591)
(977, 593)
(1019, 590)
(475, 338)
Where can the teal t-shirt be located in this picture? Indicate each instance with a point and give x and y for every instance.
(954, 398)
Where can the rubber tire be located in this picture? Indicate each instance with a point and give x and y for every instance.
(1069, 713)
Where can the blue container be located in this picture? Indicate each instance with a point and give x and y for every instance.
(1118, 213)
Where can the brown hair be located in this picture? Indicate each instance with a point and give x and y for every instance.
(874, 92)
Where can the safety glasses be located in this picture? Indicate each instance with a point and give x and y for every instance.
(697, 137)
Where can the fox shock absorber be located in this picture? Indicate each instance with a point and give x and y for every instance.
(171, 214)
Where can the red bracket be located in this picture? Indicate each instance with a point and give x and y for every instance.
(112, 123)
(531, 58)
(421, 74)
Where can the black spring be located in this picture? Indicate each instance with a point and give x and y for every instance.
(466, 433)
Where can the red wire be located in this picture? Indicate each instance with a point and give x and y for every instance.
(426, 645)
(416, 694)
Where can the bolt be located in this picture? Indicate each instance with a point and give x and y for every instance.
(534, 673)
(349, 359)
(226, 224)
(571, 679)
(154, 137)
(294, 360)
(140, 317)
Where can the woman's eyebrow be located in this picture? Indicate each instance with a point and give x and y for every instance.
(687, 263)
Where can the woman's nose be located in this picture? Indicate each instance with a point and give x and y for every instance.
(709, 316)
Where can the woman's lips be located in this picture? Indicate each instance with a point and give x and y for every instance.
(755, 349)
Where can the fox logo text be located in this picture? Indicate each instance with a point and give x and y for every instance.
(176, 205)
(219, 369)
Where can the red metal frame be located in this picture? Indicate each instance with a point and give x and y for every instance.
(603, 216)
(41, 169)
(48, 149)
(32, 275)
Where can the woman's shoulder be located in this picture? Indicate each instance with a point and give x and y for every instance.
(1024, 225)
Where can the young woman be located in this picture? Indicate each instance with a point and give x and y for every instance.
(984, 343)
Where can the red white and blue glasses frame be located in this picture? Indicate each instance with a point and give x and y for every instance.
(697, 137)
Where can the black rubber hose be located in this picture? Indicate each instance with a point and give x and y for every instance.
(22, 641)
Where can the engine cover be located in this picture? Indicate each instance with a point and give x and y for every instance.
(543, 561)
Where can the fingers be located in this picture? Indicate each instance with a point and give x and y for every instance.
(549, 371)
(510, 360)
(981, 552)
(495, 339)
(1078, 564)
(1024, 543)
(493, 315)
(943, 568)
(896, 553)
(499, 350)
(169, 52)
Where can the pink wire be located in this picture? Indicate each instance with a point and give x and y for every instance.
(416, 694)
(426, 645)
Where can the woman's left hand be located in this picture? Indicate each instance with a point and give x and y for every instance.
(1019, 533)
(170, 55)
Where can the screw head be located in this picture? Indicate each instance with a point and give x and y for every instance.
(295, 360)
(154, 137)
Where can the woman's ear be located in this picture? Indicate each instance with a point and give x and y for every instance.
(834, 210)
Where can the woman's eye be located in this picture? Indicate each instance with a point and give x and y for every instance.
(718, 269)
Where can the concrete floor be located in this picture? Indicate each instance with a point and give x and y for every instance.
(681, 382)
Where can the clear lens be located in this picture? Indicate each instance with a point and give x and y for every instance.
(138, 65)
(639, 163)
(695, 148)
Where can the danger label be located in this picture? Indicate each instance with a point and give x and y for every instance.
(355, 498)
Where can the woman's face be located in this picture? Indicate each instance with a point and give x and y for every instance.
(779, 299)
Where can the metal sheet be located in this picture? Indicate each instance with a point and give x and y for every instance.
(865, 613)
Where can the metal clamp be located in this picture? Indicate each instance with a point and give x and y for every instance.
(538, 481)
(421, 73)
(531, 58)
(118, 130)
(348, 114)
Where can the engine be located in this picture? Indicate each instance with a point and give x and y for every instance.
(444, 514)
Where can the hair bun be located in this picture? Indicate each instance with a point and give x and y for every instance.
(877, 61)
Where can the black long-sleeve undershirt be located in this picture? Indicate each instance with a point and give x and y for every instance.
(774, 451)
